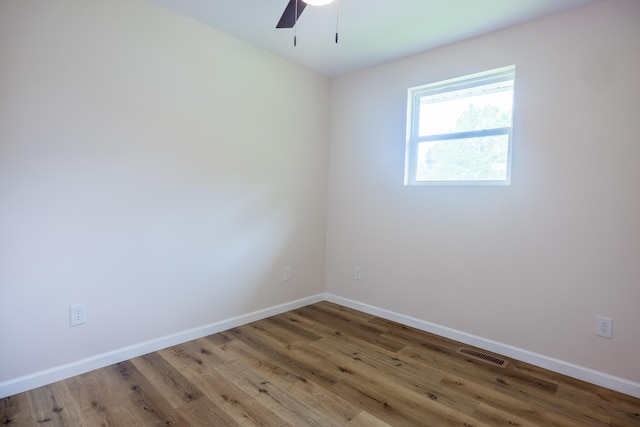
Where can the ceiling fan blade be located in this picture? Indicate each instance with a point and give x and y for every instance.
(288, 18)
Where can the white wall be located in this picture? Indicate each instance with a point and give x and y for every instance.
(153, 169)
(529, 265)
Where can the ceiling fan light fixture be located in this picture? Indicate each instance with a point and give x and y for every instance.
(317, 2)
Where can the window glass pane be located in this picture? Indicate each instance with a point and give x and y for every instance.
(469, 159)
(459, 130)
(461, 112)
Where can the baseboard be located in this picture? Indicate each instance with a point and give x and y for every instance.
(41, 378)
(579, 372)
(38, 379)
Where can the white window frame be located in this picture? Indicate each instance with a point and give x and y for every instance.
(497, 78)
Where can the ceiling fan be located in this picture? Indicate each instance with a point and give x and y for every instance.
(294, 9)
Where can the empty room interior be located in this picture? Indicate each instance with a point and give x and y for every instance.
(173, 180)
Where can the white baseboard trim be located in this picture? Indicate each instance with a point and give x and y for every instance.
(41, 378)
(48, 376)
(579, 372)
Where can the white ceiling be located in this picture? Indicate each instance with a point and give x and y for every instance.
(371, 31)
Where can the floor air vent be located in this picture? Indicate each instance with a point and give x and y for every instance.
(484, 357)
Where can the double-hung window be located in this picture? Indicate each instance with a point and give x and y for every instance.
(459, 131)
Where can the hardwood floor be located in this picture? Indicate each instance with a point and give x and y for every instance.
(321, 365)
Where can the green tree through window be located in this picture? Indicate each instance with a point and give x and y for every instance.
(478, 158)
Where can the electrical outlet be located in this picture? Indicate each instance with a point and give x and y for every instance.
(604, 327)
(77, 315)
(357, 273)
(287, 274)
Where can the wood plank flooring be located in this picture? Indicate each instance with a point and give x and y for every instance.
(321, 365)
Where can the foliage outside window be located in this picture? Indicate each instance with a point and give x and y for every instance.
(459, 131)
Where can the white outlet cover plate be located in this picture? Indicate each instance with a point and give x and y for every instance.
(77, 315)
(604, 327)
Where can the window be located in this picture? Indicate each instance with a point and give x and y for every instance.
(459, 131)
